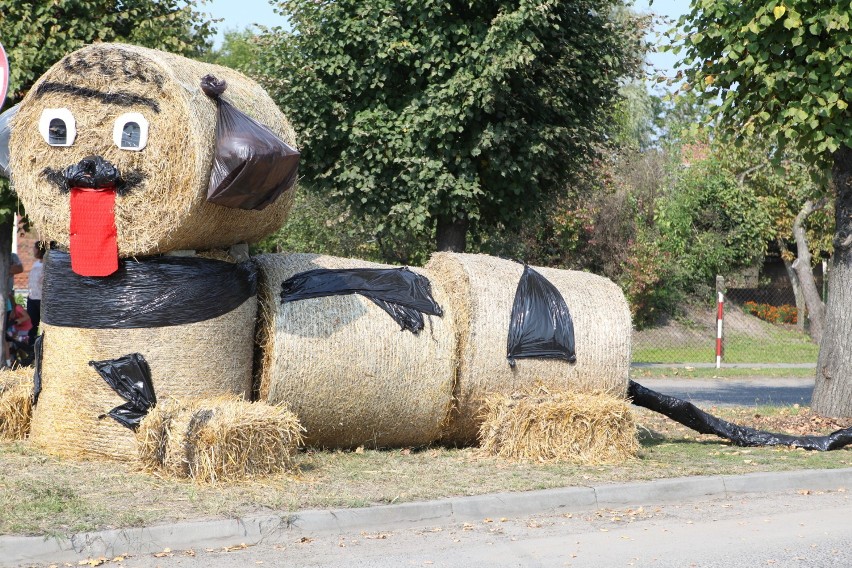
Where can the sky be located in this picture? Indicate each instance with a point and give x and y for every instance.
(238, 14)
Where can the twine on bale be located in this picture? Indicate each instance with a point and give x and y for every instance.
(482, 291)
(208, 358)
(345, 367)
(16, 403)
(220, 439)
(167, 209)
(538, 424)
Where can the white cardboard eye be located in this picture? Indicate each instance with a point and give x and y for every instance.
(130, 131)
(57, 126)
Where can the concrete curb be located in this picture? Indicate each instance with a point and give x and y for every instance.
(18, 550)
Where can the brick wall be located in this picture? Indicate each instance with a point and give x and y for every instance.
(25, 253)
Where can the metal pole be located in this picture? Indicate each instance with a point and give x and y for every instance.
(720, 302)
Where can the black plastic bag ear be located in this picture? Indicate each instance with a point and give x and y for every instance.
(252, 167)
(130, 377)
(5, 134)
(541, 325)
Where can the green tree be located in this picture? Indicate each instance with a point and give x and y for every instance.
(240, 50)
(782, 68)
(36, 35)
(436, 117)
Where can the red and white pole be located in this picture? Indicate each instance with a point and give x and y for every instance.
(719, 317)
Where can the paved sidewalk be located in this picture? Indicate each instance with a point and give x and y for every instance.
(17, 551)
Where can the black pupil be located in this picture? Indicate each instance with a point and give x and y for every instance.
(57, 132)
(130, 135)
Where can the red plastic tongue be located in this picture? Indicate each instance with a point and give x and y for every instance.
(94, 251)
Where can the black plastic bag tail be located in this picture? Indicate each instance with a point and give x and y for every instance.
(540, 325)
(252, 166)
(693, 417)
(403, 294)
(130, 377)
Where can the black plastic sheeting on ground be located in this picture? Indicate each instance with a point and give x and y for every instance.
(252, 167)
(541, 325)
(403, 294)
(151, 292)
(130, 377)
(692, 417)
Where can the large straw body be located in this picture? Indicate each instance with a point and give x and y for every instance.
(345, 367)
(212, 357)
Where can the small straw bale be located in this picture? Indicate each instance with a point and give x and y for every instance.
(16, 403)
(344, 365)
(482, 292)
(537, 424)
(220, 439)
(168, 210)
(203, 359)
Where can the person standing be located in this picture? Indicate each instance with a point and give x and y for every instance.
(35, 284)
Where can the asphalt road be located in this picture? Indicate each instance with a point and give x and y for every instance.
(790, 529)
(741, 392)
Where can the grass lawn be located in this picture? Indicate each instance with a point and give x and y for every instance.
(40, 494)
(781, 346)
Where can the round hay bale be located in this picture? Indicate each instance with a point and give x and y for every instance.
(584, 428)
(344, 365)
(482, 292)
(168, 210)
(219, 439)
(16, 403)
(208, 358)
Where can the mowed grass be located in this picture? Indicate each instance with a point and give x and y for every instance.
(781, 346)
(45, 495)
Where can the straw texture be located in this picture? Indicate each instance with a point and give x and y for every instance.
(220, 439)
(582, 428)
(345, 367)
(16, 403)
(208, 358)
(168, 211)
(482, 291)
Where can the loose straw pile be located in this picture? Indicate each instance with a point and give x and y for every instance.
(221, 439)
(543, 425)
(16, 403)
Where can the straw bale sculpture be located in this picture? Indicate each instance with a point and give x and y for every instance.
(149, 173)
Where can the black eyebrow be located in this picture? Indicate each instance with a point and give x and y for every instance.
(121, 99)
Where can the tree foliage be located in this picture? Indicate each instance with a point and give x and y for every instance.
(780, 68)
(426, 114)
(37, 34)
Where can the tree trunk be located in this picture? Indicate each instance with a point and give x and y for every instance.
(833, 390)
(451, 234)
(805, 272)
(6, 227)
(794, 282)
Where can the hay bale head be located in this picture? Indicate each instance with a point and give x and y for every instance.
(207, 358)
(344, 365)
(482, 292)
(161, 201)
